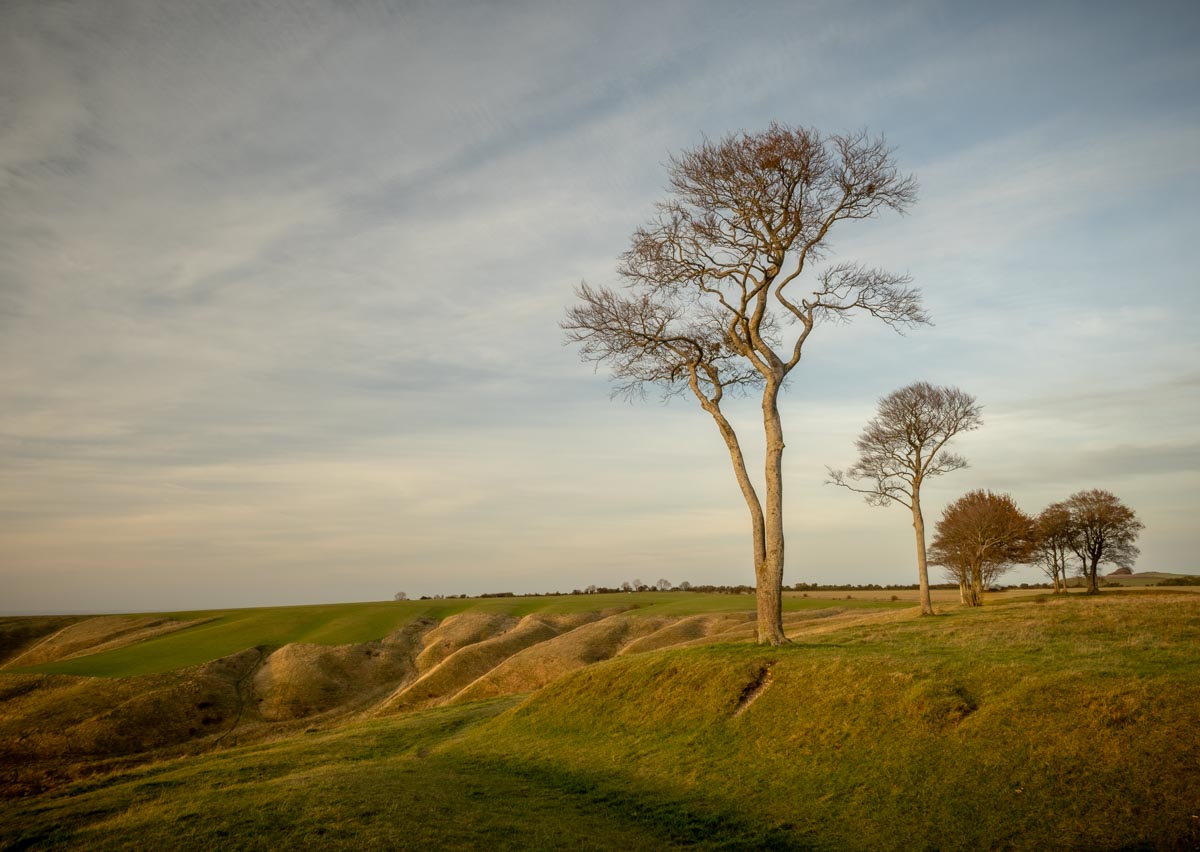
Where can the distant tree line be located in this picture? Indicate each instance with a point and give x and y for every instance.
(1078, 579)
(980, 536)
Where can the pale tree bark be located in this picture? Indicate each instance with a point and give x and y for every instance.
(922, 561)
(758, 535)
(710, 301)
(770, 608)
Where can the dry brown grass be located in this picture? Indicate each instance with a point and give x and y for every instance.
(796, 624)
(20, 633)
(458, 631)
(471, 662)
(51, 726)
(539, 664)
(688, 629)
(302, 680)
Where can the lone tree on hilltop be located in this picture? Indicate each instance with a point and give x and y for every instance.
(711, 305)
(1053, 535)
(979, 537)
(902, 447)
(1103, 529)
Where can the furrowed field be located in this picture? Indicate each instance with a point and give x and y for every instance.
(642, 721)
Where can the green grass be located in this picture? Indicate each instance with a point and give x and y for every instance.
(375, 785)
(1064, 724)
(231, 631)
(1072, 723)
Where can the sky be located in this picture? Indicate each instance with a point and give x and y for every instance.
(280, 286)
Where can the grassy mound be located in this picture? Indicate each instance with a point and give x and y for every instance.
(1057, 724)
(688, 629)
(1027, 726)
(54, 727)
(534, 667)
(460, 630)
(64, 727)
(467, 664)
(186, 639)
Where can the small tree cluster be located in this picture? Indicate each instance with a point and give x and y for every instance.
(1095, 527)
(982, 535)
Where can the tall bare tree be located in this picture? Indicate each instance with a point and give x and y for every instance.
(1103, 530)
(979, 537)
(710, 306)
(1053, 534)
(904, 445)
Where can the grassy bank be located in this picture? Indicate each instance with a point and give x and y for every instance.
(1063, 724)
(220, 633)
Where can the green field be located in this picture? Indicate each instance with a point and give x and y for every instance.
(230, 631)
(1047, 723)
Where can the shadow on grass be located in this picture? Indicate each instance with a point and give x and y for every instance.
(679, 821)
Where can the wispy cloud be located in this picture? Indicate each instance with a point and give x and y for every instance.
(280, 282)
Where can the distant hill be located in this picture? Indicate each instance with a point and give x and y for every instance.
(1134, 579)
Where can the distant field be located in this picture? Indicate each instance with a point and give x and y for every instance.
(226, 632)
(1043, 723)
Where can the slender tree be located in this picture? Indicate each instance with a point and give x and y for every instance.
(979, 537)
(1053, 535)
(904, 445)
(711, 306)
(1103, 529)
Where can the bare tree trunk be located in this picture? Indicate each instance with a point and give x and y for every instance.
(922, 566)
(748, 492)
(976, 590)
(770, 579)
(1093, 585)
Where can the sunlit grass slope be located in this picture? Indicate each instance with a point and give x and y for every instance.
(1068, 723)
(226, 632)
(1063, 724)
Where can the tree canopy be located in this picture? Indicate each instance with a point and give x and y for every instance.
(979, 537)
(1103, 529)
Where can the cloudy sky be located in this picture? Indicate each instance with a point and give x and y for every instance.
(280, 285)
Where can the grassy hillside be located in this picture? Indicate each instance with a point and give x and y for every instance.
(219, 633)
(1065, 723)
